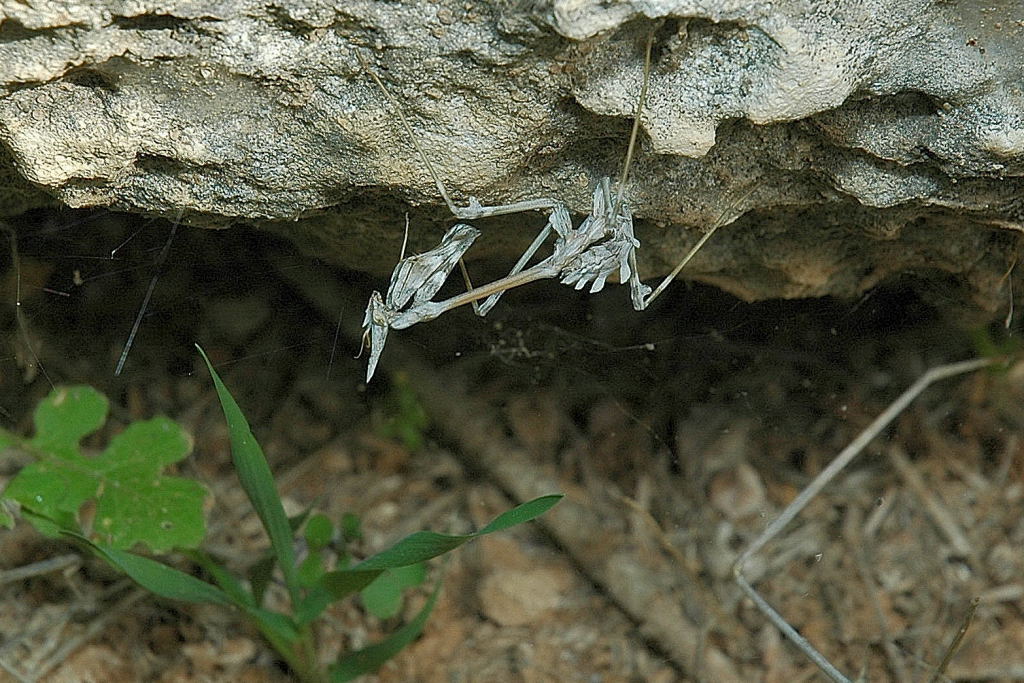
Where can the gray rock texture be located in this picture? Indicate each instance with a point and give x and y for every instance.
(847, 142)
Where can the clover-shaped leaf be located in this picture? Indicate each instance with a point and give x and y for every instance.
(121, 493)
(65, 416)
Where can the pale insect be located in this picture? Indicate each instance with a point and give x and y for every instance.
(603, 244)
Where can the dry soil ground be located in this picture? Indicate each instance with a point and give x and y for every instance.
(677, 435)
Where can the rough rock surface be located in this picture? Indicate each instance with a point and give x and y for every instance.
(851, 141)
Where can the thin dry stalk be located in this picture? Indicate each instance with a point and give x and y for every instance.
(954, 645)
(858, 544)
(820, 482)
(38, 568)
(95, 627)
(938, 512)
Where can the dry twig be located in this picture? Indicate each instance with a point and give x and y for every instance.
(814, 488)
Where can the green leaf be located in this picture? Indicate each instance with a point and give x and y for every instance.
(424, 545)
(279, 629)
(351, 527)
(65, 416)
(319, 532)
(135, 502)
(260, 575)
(223, 578)
(311, 569)
(172, 584)
(383, 597)
(54, 488)
(316, 600)
(295, 521)
(371, 658)
(157, 577)
(526, 512)
(342, 583)
(7, 513)
(254, 474)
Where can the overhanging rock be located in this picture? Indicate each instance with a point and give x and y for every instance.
(848, 142)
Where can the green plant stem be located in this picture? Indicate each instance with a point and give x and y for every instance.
(300, 656)
(299, 653)
(285, 648)
(312, 671)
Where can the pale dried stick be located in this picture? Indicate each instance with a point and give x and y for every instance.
(635, 130)
(954, 645)
(37, 568)
(814, 488)
(14, 673)
(854, 524)
(93, 629)
(933, 506)
(160, 260)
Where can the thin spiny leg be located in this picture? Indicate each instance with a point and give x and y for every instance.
(721, 222)
(474, 209)
(466, 280)
(558, 222)
(620, 217)
(634, 132)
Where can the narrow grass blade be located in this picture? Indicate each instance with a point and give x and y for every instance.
(317, 599)
(157, 577)
(526, 512)
(223, 578)
(383, 597)
(260, 575)
(345, 582)
(424, 545)
(369, 659)
(258, 482)
(279, 629)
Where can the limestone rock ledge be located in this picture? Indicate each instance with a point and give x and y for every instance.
(848, 143)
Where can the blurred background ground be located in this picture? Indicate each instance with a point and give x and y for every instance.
(677, 434)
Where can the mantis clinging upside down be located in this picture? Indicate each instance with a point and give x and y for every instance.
(588, 255)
